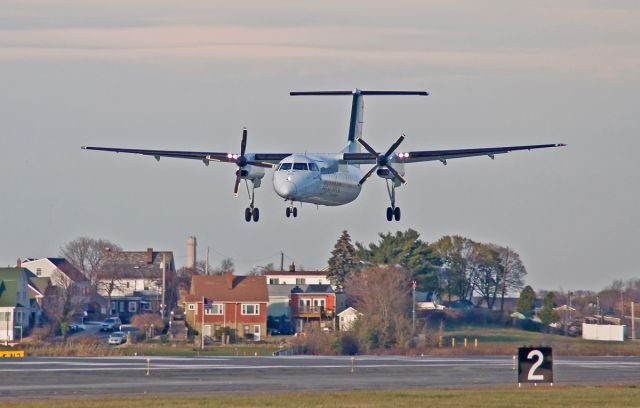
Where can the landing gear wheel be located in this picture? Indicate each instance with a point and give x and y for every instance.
(256, 215)
(247, 214)
(288, 212)
(389, 213)
(295, 211)
(396, 213)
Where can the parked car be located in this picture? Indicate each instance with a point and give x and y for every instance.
(76, 327)
(110, 324)
(117, 338)
(177, 313)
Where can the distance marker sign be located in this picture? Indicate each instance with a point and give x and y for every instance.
(535, 365)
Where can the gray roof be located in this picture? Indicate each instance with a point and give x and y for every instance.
(283, 290)
(319, 289)
(134, 265)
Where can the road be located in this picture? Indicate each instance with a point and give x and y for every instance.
(73, 376)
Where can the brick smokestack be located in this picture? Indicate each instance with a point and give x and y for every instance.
(292, 267)
(149, 256)
(191, 253)
(19, 263)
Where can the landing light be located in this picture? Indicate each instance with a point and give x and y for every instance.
(403, 155)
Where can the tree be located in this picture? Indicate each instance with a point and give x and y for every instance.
(383, 295)
(454, 255)
(226, 265)
(63, 299)
(343, 260)
(87, 254)
(405, 249)
(110, 280)
(547, 314)
(486, 272)
(513, 271)
(260, 270)
(526, 302)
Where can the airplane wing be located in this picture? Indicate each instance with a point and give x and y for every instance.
(442, 155)
(206, 157)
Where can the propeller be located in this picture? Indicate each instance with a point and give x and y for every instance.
(382, 160)
(241, 161)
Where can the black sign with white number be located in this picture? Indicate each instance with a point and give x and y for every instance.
(535, 365)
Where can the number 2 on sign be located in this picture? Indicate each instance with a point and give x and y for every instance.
(535, 354)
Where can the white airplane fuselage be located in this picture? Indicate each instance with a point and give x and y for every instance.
(317, 179)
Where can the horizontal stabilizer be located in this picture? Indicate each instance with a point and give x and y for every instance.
(358, 92)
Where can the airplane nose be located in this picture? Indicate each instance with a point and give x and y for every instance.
(286, 189)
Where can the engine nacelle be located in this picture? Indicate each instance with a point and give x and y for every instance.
(250, 172)
(384, 172)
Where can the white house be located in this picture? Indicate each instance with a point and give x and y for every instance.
(14, 303)
(347, 317)
(293, 277)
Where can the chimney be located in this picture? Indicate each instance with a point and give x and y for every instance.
(149, 256)
(19, 263)
(228, 278)
(292, 267)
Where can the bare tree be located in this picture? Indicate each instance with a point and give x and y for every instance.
(63, 300)
(226, 265)
(382, 295)
(513, 271)
(87, 254)
(109, 280)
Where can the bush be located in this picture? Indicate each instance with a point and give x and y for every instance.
(148, 323)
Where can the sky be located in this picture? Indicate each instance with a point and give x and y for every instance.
(190, 74)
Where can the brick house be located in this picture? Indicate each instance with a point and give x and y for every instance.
(314, 306)
(236, 302)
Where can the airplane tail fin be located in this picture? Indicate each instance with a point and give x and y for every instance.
(357, 110)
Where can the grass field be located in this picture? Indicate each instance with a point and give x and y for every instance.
(567, 397)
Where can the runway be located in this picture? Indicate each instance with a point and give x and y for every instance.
(35, 377)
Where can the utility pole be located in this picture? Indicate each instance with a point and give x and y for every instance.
(599, 315)
(413, 311)
(164, 285)
(633, 321)
(281, 261)
(202, 327)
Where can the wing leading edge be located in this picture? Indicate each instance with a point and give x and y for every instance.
(443, 155)
(272, 158)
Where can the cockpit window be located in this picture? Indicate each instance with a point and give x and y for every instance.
(285, 166)
(313, 167)
(300, 166)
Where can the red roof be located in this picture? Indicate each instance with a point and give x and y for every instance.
(229, 288)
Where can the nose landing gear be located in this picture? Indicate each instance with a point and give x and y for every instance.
(291, 210)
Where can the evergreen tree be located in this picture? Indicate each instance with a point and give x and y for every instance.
(526, 302)
(547, 314)
(343, 260)
(405, 249)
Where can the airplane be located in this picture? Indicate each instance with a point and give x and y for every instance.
(329, 179)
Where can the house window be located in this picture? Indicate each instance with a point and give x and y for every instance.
(214, 309)
(249, 309)
(245, 329)
(39, 271)
(132, 307)
(274, 281)
(192, 306)
(114, 307)
(121, 307)
(127, 284)
(300, 281)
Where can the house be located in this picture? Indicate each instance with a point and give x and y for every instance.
(133, 281)
(280, 300)
(293, 277)
(314, 306)
(14, 304)
(63, 277)
(238, 303)
(347, 317)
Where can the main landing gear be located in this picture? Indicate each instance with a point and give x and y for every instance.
(291, 210)
(393, 212)
(251, 212)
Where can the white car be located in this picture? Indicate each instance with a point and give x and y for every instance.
(118, 338)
